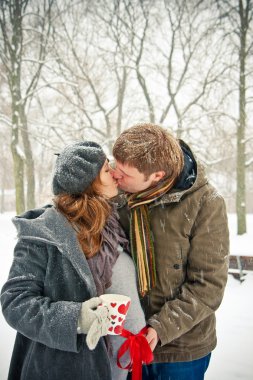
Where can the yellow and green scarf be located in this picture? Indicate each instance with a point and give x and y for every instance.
(142, 245)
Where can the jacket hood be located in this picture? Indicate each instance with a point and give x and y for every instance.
(44, 224)
(49, 226)
(189, 172)
(192, 178)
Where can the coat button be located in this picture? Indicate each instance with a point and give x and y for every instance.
(176, 266)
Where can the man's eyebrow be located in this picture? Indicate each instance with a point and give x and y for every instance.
(122, 171)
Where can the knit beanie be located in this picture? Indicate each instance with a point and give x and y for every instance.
(77, 167)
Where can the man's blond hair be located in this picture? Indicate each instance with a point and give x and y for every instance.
(149, 148)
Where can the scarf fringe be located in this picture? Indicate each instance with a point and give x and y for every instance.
(141, 240)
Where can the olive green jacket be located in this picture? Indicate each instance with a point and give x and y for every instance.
(191, 243)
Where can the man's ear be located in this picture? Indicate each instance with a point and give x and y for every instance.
(157, 176)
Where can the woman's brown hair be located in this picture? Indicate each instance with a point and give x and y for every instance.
(87, 213)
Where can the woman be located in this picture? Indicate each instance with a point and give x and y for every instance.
(66, 256)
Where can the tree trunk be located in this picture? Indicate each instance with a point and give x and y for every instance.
(18, 157)
(18, 177)
(15, 87)
(29, 163)
(121, 93)
(241, 191)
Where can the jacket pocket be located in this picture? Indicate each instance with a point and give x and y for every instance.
(171, 269)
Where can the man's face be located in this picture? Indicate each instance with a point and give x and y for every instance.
(131, 180)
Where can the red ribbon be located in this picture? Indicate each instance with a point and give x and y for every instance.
(139, 350)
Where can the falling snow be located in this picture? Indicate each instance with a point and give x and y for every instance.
(231, 360)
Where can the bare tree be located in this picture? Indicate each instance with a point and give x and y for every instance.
(95, 70)
(112, 63)
(237, 18)
(25, 26)
(174, 56)
(191, 61)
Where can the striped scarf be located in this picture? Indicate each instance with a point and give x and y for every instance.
(141, 240)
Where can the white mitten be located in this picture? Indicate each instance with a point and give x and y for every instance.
(93, 321)
(99, 327)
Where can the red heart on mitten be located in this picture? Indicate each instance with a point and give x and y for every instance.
(118, 329)
(120, 319)
(113, 304)
(113, 316)
(122, 309)
(110, 328)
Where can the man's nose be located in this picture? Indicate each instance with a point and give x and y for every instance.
(115, 173)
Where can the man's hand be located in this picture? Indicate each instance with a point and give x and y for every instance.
(152, 338)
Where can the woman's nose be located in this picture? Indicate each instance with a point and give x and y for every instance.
(115, 173)
(112, 173)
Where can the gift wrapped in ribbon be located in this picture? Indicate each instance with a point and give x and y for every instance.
(139, 352)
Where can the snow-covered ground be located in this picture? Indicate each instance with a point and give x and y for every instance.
(231, 360)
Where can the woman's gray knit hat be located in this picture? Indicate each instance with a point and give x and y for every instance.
(77, 167)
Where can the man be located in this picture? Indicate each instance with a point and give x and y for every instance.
(178, 230)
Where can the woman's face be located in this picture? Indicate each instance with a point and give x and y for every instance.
(109, 186)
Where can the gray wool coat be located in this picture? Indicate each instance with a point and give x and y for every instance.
(48, 281)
